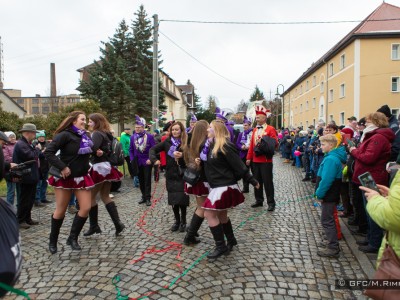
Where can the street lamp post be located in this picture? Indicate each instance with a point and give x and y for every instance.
(282, 102)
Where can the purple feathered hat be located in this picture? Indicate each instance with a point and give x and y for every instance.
(230, 122)
(193, 118)
(221, 114)
(139, 121)
(247, 120)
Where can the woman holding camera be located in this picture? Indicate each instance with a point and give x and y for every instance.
(102, 173)
(75, 149)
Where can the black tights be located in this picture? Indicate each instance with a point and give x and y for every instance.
(182, 217)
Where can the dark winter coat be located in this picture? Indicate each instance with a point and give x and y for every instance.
(44, 164)
(23, 152)
(102, 141)
(68, 142)
(373, 154)
(174, 180)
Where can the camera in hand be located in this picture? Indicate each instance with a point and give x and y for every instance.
(21, 170)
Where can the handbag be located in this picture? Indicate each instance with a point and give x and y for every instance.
(56, 172)
(389, 268)
(191, 175)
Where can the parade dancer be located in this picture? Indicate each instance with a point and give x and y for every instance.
(192, 123)
(75, 149)
(222, 116)
(223, 167)
(261, 166)
(102, 173)
(243, 144)
(175, 186)
(201, 189)
(141, 142)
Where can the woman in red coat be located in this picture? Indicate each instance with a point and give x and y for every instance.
(372, 156)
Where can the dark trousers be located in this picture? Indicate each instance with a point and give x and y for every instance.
(263, 173)
(345, 196)
(28, 194)
(128, 161)
(360, 215)
(145, 181)
(374, 233)
(328, 223)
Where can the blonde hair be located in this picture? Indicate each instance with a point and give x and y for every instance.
(330, 139)
(221, 136)
(378, 119)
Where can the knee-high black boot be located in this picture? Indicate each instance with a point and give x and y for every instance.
(182, 227)
(220, 245)
(76, 229)
(175, 227)
(55, 231)
(93, 221)
(112, 210)
(230, 237)
(194, 226)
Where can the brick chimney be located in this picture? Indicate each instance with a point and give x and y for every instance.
(53, 88)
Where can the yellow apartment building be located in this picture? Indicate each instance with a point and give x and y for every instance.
(355, 77)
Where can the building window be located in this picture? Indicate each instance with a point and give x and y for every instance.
(395, 112)
(35, 101)
(330, 69)
(313, 122)
(301, 89)
(330, 95)
(321, 87)
(301, 108)
(307, 88)
(45, 109)
(395, 84)
(396, 51)
(342, 61)
(306, 105)
(20, 101)
(314, 80)
(330, 118)
(321, 110)
(341, 117)
(35, 109)
(314, 102)
(307, 124)
(342, 90)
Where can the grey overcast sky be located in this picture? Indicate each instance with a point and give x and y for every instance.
(68, 33)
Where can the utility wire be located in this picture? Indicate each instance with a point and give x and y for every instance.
(203, 64)
(277, 23)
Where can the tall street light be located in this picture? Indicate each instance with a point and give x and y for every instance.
(282, 103)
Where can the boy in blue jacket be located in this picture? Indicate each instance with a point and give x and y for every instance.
(329, 179)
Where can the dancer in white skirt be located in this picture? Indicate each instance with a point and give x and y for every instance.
(223, 168)
(75, 148)
(102, 173)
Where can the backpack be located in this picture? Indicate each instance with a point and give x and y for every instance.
(116, 153)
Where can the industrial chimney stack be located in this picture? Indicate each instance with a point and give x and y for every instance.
(53, 88)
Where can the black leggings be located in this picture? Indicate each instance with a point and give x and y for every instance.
(182, 217)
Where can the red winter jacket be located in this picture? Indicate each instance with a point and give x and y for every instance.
(269, 131)
(373, 154)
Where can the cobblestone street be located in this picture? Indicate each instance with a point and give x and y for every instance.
(275, 259)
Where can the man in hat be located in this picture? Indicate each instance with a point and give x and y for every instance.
(222, 116)
(394, 125)
(24, 151)
(41, 189)
(192, 123)
(261, 165)
(140, 144)
(243, 144)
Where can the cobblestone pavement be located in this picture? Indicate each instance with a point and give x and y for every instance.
(276, 257)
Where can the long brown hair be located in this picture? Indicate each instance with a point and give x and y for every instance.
(100, 122)
(183, 133)
(67, 122)
(199, 135)
(221, 137)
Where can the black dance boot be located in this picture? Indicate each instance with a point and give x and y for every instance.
(220, 245)
(55, 231)
(230, 237)
(76, 228)
(194, 226)
(112, 210)
(93, 221)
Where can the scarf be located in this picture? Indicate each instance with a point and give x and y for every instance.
(206, 149)
(175, 146)
(86, 143)
(140, 141)
(368, 129)
(245, 136)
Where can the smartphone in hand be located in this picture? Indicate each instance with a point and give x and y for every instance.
(368, 181)
(350, 143)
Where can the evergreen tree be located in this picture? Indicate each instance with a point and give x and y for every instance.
(256, 95)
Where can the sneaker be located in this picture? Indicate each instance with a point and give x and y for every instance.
(368, 249)
(322, 244)
(111, 196)
(328, 252)
(306, 179)
(72, 209)
(39, 204)
(24, 225)
(32, 222)
(175, 227)
(46, 201)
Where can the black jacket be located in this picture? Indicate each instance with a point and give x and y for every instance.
(102, 141)
(226, 169)
(44, 164)
(68, 142)
(23, 152)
